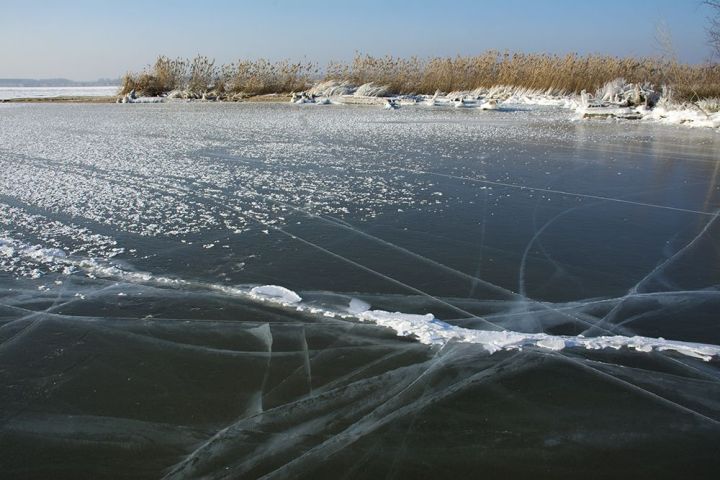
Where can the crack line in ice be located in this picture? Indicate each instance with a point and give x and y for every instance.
(337, 222)
(356, 264)
(341, 380)
(538, 233)
(659, 268)
(574, 305)
(611, 328)
(603, 324)
(645, 391)
(34, 321)
(306, 360)
(526, 252)
(482, 242)
(561, 192)
(523, 264)
(520, 296)
(386, 277)
(389, 411)
(675, 256)
(266, 374)
(329, 219)
(345, 225)
(606, 148)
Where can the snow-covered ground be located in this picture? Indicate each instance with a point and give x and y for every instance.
(610, 101)
(668, 113)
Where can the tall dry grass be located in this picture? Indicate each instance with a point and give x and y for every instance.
(262, 76)
(556, 73)
(164, 75)
(560, 74)
(201, 75)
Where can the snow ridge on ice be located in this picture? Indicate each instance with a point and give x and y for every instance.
(429, 330)
(275, 293)
(425, 328)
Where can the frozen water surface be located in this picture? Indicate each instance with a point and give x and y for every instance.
(284, 291)
(51, 92)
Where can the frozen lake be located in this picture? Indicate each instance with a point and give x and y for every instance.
(50, 92)
(138, 341)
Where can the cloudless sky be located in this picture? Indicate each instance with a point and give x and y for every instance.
(85, 40)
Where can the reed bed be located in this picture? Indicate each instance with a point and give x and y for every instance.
(554, 73)
(558, 74)
(201, 75)
(261, 76)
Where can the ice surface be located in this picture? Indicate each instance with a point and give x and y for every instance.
(151, 196)
(48, 92)
(250, 291)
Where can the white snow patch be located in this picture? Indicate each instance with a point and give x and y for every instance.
(332, 88)
(276, 293)
(371, 90)
(429, 330)
(683, 115)
(143, 100)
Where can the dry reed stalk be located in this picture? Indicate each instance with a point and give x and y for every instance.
(553, 73)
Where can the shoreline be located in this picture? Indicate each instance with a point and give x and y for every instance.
(265, 98)
(667, 113)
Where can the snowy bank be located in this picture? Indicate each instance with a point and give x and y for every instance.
(616, 100)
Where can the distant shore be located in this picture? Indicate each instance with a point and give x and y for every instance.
(273, 97)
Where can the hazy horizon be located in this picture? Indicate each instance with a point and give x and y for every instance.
(84, 41)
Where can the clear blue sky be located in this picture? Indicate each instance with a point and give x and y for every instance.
(84, 40)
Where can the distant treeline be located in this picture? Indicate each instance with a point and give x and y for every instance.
(558, 74)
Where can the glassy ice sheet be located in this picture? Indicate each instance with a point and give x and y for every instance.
(140, 337)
